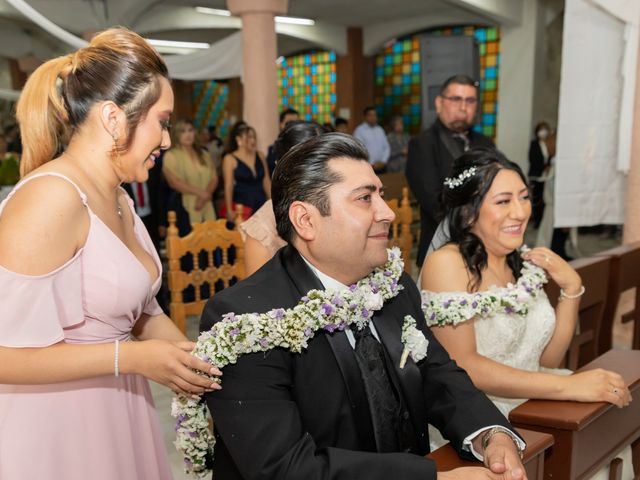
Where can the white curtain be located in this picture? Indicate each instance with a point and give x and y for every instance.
(590, 186)
(222, 59)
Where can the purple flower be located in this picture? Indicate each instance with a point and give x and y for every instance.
(307, 332)
(327, 309)
(353, 287)
(264, 343)
(342, 325)
(447, 303)
(188, 463)
(353, 306)
(305, 299)
(508, 310)
(193, 434)
(279, 314)
(331, 327)
(234, 332)
(338, 301)
(463, 303)
(387, 273)
(365, 313)
(474, 304)
(432, 316)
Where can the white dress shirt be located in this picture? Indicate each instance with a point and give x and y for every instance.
(375, 140)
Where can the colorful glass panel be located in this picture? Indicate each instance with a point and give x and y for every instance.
(307, 83)
(210, 102)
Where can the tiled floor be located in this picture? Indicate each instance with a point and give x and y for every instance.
(587, 245)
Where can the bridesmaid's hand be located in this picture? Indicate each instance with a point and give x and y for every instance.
(170, 364)
(557, 268)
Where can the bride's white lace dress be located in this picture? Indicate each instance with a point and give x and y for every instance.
(513, 324)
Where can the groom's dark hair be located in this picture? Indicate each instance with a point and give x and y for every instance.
(303, 174)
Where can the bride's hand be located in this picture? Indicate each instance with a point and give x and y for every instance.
(598, 386)
(557, 268)
(170, 364)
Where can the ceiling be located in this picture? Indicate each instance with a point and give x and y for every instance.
(381, 20)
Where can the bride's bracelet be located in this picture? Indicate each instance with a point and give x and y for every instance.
(564, 295)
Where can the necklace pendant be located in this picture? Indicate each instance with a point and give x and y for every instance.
(119, 209)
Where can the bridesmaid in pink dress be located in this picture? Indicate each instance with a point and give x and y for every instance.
(78, 274)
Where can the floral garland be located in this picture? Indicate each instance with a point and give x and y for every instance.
(448, 308)
(236, 335)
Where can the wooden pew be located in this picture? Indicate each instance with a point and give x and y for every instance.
(447, 459)
(594, 272)
(624, 275)
(587, 436)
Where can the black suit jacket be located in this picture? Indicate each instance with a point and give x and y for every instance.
(429, 162)
(303, 416)
(537, 162)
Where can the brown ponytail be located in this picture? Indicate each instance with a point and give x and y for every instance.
(118, 65)
(42, 115)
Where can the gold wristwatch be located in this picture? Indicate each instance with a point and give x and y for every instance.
(488, 435)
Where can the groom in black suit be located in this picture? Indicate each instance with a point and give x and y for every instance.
(343, 408)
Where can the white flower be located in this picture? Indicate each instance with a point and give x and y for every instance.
(415, 343)
(373, 301)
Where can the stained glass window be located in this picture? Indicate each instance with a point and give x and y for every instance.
(397, 78)
(210, 102)
(307, 83)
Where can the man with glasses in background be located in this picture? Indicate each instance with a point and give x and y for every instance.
(432, 152)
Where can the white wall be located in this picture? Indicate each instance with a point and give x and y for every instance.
(518, 45)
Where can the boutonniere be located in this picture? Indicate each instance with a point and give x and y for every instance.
(414, 341)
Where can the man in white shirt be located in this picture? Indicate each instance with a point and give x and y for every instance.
(375, 139)
(347, 406)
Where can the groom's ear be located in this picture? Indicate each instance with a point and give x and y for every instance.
(302, 216)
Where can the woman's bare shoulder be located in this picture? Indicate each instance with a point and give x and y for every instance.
(42, 225)
(445, 271)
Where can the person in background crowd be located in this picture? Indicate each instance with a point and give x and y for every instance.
(245, 173)
(286, 116)
(538, 164)
(79, 273)
(374, 138)
(432, 152)
(261, 239)
(399, 144)
(189, 170)
(341, 125)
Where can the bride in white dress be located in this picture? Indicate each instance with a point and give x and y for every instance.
(483, 297)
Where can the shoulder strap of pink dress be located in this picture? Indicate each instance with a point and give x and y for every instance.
(83, 196)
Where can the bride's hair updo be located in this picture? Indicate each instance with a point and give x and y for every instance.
(462, 199)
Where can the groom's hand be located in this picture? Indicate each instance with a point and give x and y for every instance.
(475, 473)
(501, 456)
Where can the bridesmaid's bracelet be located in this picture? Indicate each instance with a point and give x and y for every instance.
(564, 295)
(116, 369)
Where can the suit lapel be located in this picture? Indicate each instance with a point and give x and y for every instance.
(304, 280)
(388, 323)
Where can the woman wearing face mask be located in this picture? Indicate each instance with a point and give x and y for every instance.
(538, 163)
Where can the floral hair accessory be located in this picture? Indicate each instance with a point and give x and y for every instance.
(291, 329)
(459, 180)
